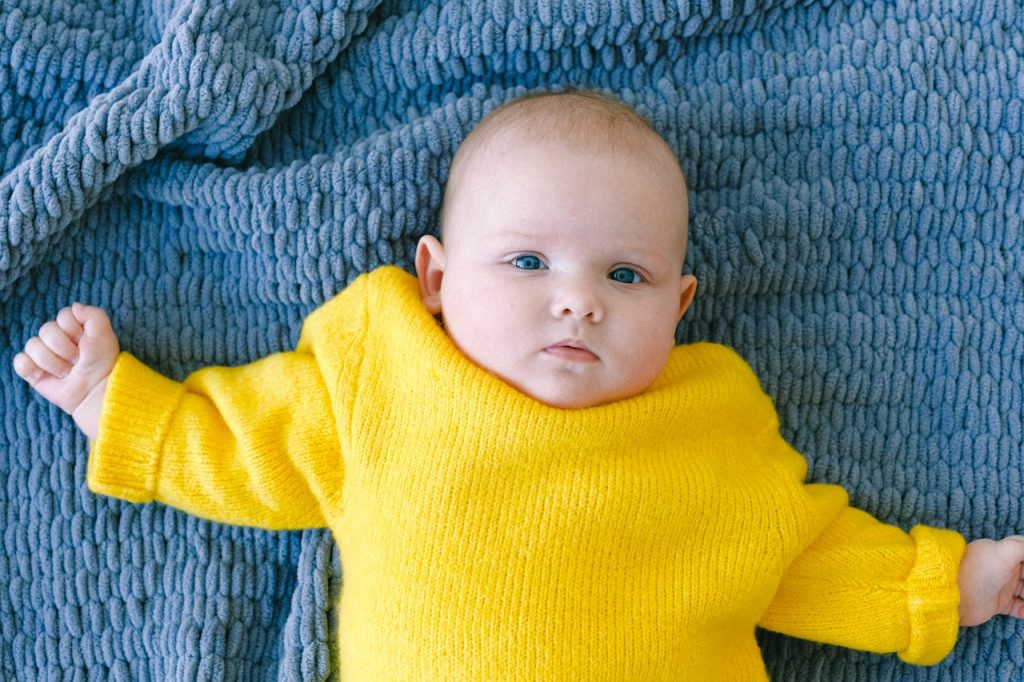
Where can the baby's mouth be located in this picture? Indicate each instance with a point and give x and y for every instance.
(572, 350)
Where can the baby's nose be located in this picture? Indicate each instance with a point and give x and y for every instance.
(578, 302)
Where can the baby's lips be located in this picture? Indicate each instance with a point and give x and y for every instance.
(573, 351)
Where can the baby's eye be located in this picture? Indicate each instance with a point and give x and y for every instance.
(625, 275)
(527, 263)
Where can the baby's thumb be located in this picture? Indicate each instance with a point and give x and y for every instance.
(93, 320)
(98, 340)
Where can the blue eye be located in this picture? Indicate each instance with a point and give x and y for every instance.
(527, 263)
(625, 275)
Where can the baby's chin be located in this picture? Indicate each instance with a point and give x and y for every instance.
(567, 397)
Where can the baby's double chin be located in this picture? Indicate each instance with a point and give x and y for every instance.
(566, 391)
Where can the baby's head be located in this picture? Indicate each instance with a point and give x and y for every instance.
(563, 235)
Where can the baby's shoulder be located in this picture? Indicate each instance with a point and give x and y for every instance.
(386, 286)
(721, 377)
(715, 361)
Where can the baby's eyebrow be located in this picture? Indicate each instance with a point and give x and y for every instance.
(646, 256)
(516, 236)
(541, 240)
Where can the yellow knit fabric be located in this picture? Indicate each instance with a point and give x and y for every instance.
(486, 536)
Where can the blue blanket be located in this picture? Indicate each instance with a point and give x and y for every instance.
(210, 172)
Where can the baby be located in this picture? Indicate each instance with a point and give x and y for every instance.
(543, 486)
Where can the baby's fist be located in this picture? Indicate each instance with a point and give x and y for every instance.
(69, 361)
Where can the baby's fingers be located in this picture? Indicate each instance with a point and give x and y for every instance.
(67, 321)
(27, 370)
(59, 343)
(45, 359)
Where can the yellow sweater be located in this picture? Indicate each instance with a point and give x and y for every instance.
(486, 536)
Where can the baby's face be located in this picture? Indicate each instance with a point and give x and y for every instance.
(560, 269)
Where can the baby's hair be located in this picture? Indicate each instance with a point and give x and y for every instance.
(580, 117)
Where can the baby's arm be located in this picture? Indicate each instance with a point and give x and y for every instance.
(69, 361)
(991, 580)
(251, 445)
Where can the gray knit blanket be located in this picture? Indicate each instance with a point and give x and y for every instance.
(210, 172)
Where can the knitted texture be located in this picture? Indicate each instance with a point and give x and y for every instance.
(211, 172)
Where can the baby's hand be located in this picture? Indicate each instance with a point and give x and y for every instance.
(69, 361)
(991, 580)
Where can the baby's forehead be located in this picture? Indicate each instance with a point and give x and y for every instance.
(536, 184)
(504, 145)
(585, 123)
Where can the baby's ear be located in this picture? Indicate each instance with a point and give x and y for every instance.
(688, 287)
(430, 271)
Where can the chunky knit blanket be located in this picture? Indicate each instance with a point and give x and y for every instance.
(210, 172)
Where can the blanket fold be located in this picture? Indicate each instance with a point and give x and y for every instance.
(219, 75)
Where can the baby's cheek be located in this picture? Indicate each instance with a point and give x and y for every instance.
(652, 354)
(487, 341)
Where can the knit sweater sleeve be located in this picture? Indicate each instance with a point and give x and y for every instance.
(254, 445)
(864, 584)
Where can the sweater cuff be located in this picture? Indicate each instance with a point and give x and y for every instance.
(137, 409)
(933, 598)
